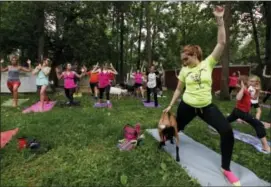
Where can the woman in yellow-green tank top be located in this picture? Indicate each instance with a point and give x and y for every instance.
(196, 77)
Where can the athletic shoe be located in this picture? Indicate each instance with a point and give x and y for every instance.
(231, 178)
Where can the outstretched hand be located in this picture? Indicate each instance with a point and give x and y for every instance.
(2, 61)
(218, 11)
(167, 109)
(28, 61)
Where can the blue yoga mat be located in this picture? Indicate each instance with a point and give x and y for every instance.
(204, 165)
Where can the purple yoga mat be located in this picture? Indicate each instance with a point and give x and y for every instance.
(101, 105)
(265, 106)
(150, 104)
(249, 139)
(35, 107)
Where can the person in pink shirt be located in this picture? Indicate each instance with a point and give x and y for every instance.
(104, 81)
(69, 83)
(138, 77)
(233, 81)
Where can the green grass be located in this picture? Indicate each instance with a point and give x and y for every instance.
(84, 151)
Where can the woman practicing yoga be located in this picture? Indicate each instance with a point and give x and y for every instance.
(233, 80)
(104, 81)
(14, 82)
(254, 90)
(69, 84)
(42, 81)
(93, 81)
(242, 111)
(196, 76)
(152, 85)
(138, 78)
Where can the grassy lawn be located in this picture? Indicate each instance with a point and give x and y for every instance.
(84, 152)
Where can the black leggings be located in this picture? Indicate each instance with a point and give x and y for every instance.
(69, 93)
(107, 92)
(247, 117)
(92, 87)
(154, 91)
(266, 97)
(231, 89)
(212, 116)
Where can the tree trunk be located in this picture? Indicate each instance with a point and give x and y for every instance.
(121, 43)
(267, 8)
(155, 29)
(224, 94)
(258, 70)
(140, 35)
(41, 21)
(148, 25)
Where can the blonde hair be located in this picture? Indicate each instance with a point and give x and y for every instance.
(258, 80)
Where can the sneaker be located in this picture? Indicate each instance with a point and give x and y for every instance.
(231, 178)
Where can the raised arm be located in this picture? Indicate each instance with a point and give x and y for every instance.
(221, 35)
(36, 70)
(240, 94)
(1, 68)
(176, 74)
(29, 69)
(58, 74)
(96, 69)
(114, 71)
(264, 73)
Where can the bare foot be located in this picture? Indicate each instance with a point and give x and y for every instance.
(267, 149)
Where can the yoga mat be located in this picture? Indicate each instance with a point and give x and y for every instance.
(203, 164)
(77, 95)
(265, 105)
(101, 105)
(8, 103)
(35, 107)
(249, 139)
(6, 136)
(150, 104)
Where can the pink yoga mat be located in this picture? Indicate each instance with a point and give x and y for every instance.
(35, 107)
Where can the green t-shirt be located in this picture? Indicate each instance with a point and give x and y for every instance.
(198, 83)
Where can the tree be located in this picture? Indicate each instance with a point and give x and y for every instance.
(224, 94)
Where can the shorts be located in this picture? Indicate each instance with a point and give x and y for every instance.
(93, 85)
(137, 85)
(11, 84)
(255, 105)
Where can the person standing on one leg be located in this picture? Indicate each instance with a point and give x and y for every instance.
(104, 82)
(197, 98)
(42, 81)
(152, 85)
(69, 84)
(241, 111)
(14, 82)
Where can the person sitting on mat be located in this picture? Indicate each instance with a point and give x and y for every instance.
(13, 82)
(197, 98)
(152, 85)
(104, 82)
(93, 81)
(42, 81)
(138, 78)
(242, 109)
(69, 83)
